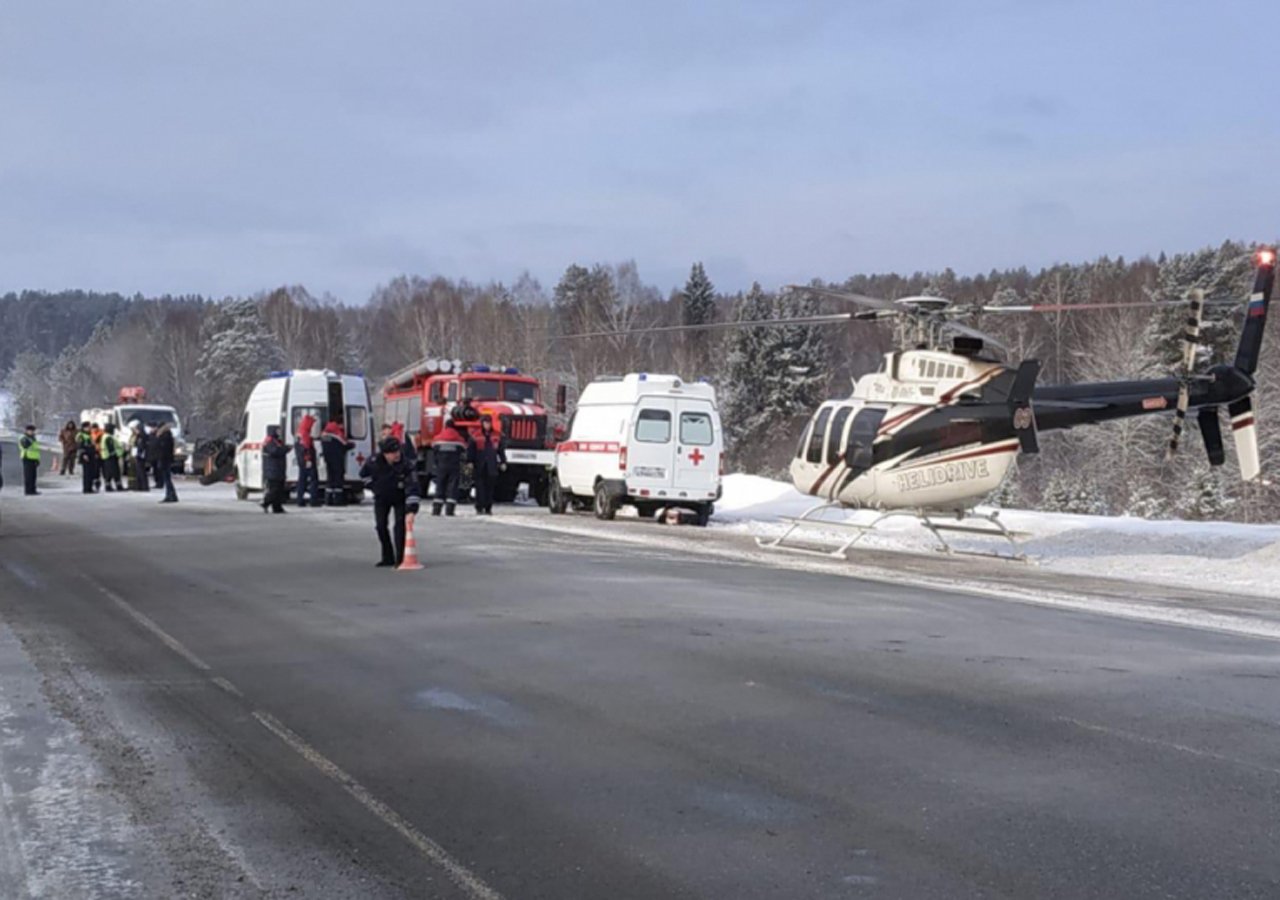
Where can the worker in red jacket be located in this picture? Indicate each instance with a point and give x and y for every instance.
(334, 444)
(304, 449)
(449, 451)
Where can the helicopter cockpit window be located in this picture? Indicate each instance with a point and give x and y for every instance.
(818, 437)
(837, 432)
(860, 453)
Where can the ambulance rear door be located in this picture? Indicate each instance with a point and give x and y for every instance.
(697, 451)
(651, 447)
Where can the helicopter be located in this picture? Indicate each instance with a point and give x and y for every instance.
(937, 427)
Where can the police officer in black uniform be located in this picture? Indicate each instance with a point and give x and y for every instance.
(275, 462)
(394, 485)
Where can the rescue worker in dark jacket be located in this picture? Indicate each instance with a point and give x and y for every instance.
(304, 448)
(110, 448)
(163, 461)
(88, 456)
(394, 485)
(488, 457)
(275, 462)
(29, 450)
(334, 443)
(139, 478)
(449, 449)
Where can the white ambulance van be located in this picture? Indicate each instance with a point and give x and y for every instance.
(648, 441)
(283, 398)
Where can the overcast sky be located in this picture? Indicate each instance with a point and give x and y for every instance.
(221, 146)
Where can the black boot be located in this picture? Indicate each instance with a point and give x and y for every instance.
(435, 508)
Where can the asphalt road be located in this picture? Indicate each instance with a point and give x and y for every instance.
(200, 700)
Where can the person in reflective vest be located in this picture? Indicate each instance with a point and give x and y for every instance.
(112, 456)
(29, 450)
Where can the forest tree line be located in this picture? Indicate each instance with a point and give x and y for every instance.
(62, 352)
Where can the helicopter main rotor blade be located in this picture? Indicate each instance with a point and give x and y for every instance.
(1190, 343)
(1071, 307)
(850, 297)
(711, 326)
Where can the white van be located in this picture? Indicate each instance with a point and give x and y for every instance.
(649, 441)
(283, 399)
(148, 414)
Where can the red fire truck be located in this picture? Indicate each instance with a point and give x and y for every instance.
(423, 395)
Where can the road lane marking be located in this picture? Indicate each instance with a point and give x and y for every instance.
(458, 873)
(1168, 745)
(227, 686)
(167, 639)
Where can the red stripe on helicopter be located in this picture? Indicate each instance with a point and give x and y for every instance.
(1004, 447)
(945, 400)
(973, 382)
(915, 410)
(1246, 422)
(817, 485)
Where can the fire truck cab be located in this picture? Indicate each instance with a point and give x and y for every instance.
(422, 396)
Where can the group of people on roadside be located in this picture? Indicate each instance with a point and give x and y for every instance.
(333, 445)
(107, 461)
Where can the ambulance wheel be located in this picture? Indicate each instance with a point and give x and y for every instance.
(557, 498)
(242, 492)
(704, 514)
(605, 506)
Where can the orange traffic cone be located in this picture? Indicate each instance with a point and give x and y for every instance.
(410, 563)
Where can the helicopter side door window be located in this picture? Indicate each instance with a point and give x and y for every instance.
(860, 453)
(818, 437)
(837, 434)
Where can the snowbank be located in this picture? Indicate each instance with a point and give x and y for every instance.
(1230, 556)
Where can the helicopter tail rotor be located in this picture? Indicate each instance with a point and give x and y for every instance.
(1244, 428)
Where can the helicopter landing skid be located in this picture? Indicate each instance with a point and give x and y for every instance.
(939, 523)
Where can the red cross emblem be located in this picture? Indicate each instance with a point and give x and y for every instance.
(696, 456)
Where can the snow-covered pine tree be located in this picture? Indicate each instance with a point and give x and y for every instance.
(1072, 492)
(1146, 502)
(697, 307)
(1222, 273)
(775, 377)
(237, 351)
(1209, 496)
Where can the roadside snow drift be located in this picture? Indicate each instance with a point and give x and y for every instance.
(1229, 556)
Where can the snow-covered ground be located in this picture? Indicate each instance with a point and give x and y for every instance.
(1233, 557)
